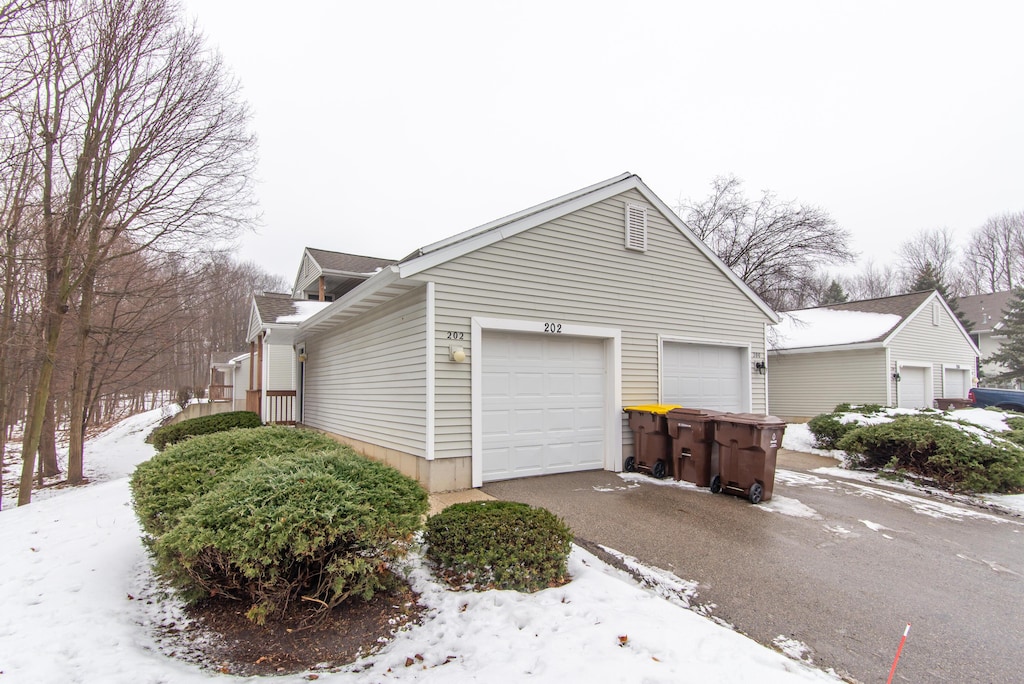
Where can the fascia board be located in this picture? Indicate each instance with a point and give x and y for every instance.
(829, 348)
(370, 286)
(681, 226)
(488, 234)
(934, 296)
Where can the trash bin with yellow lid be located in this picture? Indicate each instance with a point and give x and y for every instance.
(748, 444)
(692, 431)
(651, 443)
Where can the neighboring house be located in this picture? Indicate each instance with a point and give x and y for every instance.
(227, 380)
(274, 372)
(510, 349)
(325, 276)
(906, 351)
(985, 313)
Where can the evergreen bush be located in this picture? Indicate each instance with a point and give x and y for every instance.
(167, 484)
(204, 425)
(314, 527)
(499, 545)
(953, 458)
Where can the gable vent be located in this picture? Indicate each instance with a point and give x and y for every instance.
(636, 227)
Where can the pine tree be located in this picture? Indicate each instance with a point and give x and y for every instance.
(928, 278)
(834, 295)
(1011, 353)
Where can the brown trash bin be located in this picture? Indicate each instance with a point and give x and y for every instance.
(692, 431)
(651, 442)
(748, 446)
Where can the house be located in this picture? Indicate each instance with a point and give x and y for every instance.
(510, 349)
(226, 374)
(985, 313)
(906, 351)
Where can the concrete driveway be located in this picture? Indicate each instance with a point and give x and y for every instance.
(837, 564)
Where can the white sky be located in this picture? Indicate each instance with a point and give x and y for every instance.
(387, 126)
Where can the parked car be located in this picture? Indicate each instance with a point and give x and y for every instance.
(1011, 400)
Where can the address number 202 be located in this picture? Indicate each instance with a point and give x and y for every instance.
(553, 328)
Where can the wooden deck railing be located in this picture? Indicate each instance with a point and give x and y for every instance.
(221, 393)
(280, 407)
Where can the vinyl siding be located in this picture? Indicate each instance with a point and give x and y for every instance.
(576, 270)
(920, 341)
(280, 371)
(366, 379)
(803, 385)
(254, 324)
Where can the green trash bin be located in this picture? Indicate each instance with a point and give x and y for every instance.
(651, 442)
(692, 431)
(748, 445)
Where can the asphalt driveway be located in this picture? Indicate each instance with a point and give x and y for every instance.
(839, 565)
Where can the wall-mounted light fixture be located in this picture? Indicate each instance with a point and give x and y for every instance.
(457, 353)
(760, 366)
(896, 376)
(302, 357)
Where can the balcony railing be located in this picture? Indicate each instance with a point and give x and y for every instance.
(280, 406)
(221, 393)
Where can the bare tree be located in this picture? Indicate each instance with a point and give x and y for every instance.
(872, 282)
(775, 246)
(934, 249)
(143, 146)
(994, 258)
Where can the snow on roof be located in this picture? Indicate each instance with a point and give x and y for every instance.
(303, 309)
(827, 327)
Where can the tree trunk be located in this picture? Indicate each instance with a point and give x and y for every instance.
(80, 383)
(48, 443)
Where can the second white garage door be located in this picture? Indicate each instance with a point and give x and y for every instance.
(543, 404)
(704, 376)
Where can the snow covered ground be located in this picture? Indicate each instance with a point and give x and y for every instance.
(80, 605)
(799, 438)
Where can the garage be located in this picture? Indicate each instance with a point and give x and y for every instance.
(704, 375)
(912, 387)
(544, 404)
(955, 383)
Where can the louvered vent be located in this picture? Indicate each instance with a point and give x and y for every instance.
(636, 227)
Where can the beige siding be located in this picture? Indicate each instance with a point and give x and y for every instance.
(576, 270)
(254, 324)
(366, 379)
(921, 341)
(280, 371)
(801, 386)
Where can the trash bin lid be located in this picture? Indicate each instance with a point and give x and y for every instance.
(652, 408)
(688, 413)
(756, 419)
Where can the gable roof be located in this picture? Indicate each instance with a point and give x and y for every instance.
(861, 324)
(389, 281)
(347, 263)
(489, 233)
(985, 311)
(273, 310)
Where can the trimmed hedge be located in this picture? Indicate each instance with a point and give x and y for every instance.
(314, 527)
(204, 425)
(167, 484)
(499, 545)
(951, 457)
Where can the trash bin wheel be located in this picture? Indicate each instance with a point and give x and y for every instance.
(716, 484)
(658, 469)
(630, 465)
(756, 491)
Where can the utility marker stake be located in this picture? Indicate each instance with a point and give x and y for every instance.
(898, 651)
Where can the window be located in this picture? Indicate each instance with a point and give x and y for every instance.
(636, 228)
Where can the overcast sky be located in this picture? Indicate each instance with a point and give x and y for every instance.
(385, 126)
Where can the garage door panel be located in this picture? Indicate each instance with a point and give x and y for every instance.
(704, 376)
(552, 392)
(912, 387)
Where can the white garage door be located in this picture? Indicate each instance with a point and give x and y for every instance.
(956, 383)
(703, 376)
(912, 387)
(543, 404)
